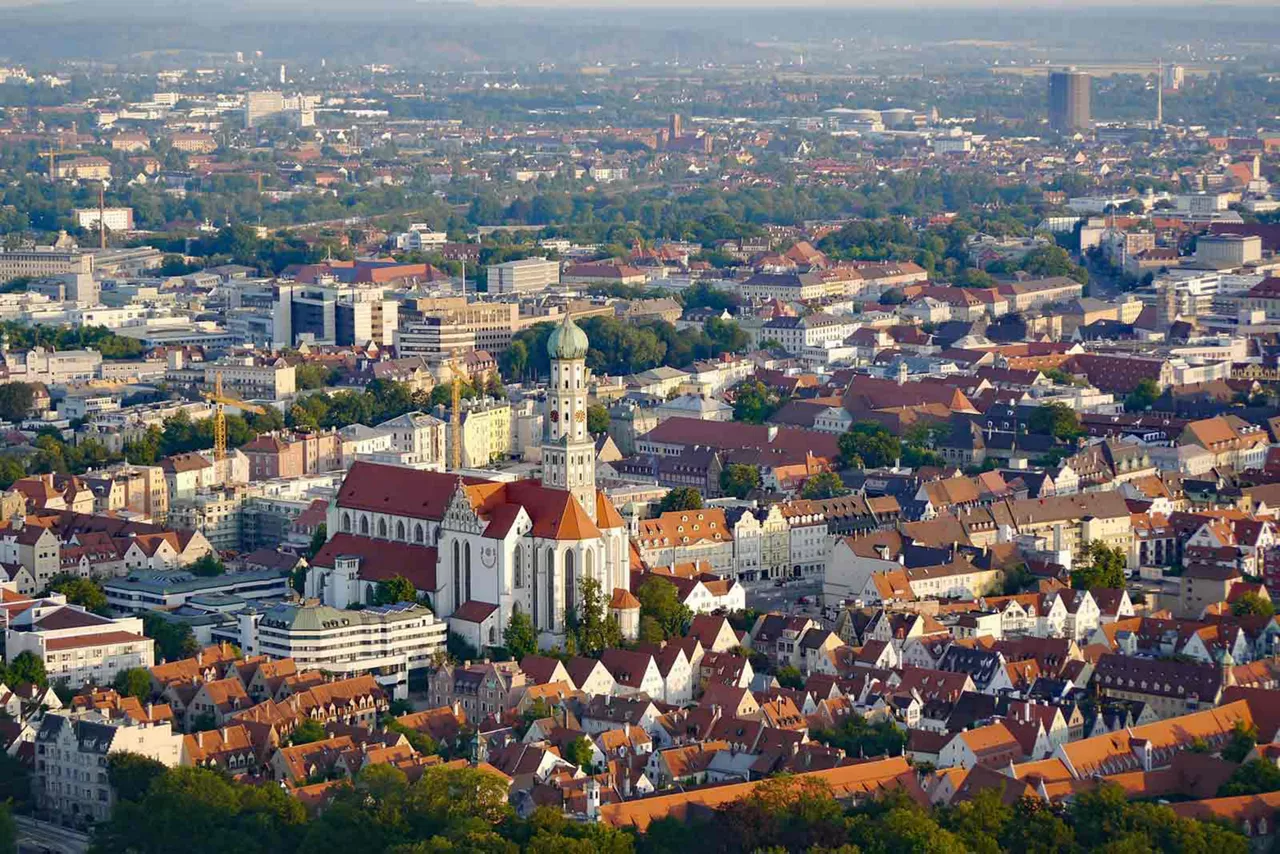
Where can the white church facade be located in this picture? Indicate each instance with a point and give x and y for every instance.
(482, 549)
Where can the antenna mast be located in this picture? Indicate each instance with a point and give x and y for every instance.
(102, 215)
(1159, 94)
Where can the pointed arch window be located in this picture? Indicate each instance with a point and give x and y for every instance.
(467, 573)
(550, 572)
(457, 575)
(570, 591)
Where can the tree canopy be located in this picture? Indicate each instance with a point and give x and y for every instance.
(867, 444)
(681, 498)
(395, 589)
(754, 402)
(1143, 396)
(1057, 420)
(85, 592)
(738, 479)
(133, 682)
(1253, 604)
(520, 637)
(824, 485)
(1105, 568)
(660, 600)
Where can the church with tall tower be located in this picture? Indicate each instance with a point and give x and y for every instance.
(568, 452)
(485, 549)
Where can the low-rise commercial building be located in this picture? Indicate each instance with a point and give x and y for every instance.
(145, 590)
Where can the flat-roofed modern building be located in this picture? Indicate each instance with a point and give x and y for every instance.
(144, 591)
(385, 641)
(526, 276)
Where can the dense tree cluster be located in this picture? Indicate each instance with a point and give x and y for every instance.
(680, 498)
(738, 479)
(662, 614)
(826, 484)
(466, 809)
(1057, 420)
(25, 669)
(23, 337)
(174, 639)
(1105, 568)
(869, 445)
(381, 401)
(620, 348)
(16, 400)
(856, 737)
(1042, 262)
(754, 402)
(85, 592)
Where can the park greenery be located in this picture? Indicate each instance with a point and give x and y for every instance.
(621, 348)
(662, 614)
(1105, 568)
(466, 809)
(1057, 420)
(739, 479)
(680, 498)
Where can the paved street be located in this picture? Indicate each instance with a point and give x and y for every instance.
(766, 597)
(38, 837)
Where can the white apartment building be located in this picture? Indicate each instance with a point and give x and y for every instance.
(1201, 203)
(385, 641)
(88, 406)
(1228, 250)
(39, 365)
(528, 275)
(72, 751)
(76, 646)
(416, 438)
(808, 539)
(43, 261)
(486, 432)
(799, 333)
(419, 238)
(116, 219)
(246, 377)
(433, 336)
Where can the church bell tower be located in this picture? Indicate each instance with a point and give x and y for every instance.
(568, 452)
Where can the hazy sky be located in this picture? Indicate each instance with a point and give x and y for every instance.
(775, 5)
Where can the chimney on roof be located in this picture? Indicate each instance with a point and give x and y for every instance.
(200, 739)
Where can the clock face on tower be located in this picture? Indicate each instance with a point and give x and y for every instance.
(580, 416)
(555, 416)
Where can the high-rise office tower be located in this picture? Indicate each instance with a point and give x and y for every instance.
(1069, 100)
(674, 128)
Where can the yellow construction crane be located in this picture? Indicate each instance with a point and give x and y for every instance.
(455, 416)
(53, 155)
(220, 417)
